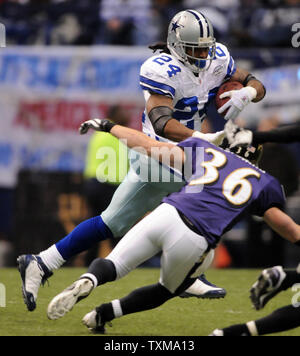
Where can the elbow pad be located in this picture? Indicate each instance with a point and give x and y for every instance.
(159, 116)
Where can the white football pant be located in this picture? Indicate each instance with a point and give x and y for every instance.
(163, 230)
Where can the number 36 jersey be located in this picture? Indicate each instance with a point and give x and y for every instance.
(165, 75)
(221, 187)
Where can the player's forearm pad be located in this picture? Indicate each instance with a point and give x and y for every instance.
(159, 116)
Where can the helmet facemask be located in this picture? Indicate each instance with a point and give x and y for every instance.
(195, 63)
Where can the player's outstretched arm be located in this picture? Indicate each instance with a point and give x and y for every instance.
(284, 225)
(286, 134)
(243, 137)
(161, 151)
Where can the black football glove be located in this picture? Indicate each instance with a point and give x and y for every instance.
(103, 125)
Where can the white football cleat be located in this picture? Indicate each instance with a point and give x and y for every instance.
(94, 323)
(34, 273)
(89, 320)
(202, 288)
(217, 332)
(65, 301)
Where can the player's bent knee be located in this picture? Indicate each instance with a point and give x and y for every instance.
(104, 270)
(162, 293)
(121, 269)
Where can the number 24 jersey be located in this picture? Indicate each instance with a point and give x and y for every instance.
(165, 75)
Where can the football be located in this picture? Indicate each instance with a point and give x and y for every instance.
(227, 86)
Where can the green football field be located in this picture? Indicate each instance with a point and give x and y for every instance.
(178, 317)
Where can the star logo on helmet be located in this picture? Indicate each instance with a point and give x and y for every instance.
(175, 26)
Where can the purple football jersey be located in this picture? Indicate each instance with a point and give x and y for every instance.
(221, 186)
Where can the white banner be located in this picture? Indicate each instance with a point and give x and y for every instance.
(47, 92)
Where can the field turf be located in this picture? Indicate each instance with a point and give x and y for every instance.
(178, 317)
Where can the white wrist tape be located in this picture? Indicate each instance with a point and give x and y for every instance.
(252, 92)
(199, 135)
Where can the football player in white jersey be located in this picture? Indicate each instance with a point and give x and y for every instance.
(186, 93)
(177, 84)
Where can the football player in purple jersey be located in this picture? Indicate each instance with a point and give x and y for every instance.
(220, 186)
(272, 280)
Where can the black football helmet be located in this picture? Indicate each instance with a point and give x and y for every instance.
(251, 153)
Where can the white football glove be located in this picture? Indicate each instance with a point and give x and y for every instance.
(96, 124)
(215, 138)
(239, 99)
(237, 136)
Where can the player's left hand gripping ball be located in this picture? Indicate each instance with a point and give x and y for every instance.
(97, 125)
(239, 99)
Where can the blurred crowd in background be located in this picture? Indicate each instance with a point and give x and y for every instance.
(241, 23)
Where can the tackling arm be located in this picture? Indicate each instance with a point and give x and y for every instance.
(287, 134)
(242, 137)
(283, 224)
(161, 151)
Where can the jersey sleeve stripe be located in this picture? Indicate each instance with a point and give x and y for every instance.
(230, 65)
(231, 68)
(212, 93)
(157, 91)
(150, 84)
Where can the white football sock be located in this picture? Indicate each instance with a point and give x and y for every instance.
(52, 258)
(116, 305)
(91, 277)
(252, 328)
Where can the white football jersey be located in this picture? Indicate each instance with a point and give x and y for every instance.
(163, 74)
